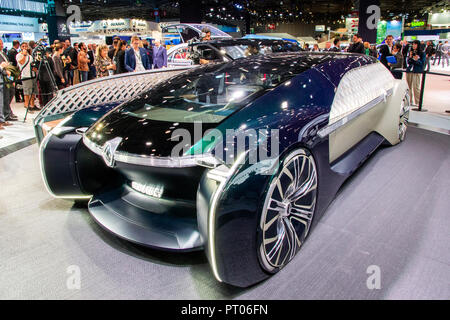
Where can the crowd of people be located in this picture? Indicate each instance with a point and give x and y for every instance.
(414, 57)
(82, 62)
(68, 64)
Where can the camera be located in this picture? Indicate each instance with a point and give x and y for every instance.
(38, 54)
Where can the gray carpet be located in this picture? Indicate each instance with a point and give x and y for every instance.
(393, 213)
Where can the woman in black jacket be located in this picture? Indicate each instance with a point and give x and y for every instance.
(119, 57)
(415, 65)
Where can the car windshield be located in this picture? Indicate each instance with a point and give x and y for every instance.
(210, 94)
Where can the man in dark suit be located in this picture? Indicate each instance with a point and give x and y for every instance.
(112, 50)
(12, 53)
(357, 46)
(386, 50)
(438, 53)
(336, 45)
(149, 49)
(136, 58)
(6, 113)
(91, 56)
(405, 49)
(72, 53)
(159, 55)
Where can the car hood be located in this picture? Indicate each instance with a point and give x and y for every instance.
(86, 117)
(144, 137)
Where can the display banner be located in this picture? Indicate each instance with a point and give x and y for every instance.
(369, 15)
(439, 19)
(385, 28)
(351, 24)
(15, 23)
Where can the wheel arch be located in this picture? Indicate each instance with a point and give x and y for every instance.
(387, 126)
(234, 257)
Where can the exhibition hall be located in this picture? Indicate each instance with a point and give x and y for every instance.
(224, 150)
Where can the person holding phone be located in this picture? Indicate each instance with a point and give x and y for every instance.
(103, 63)
(27, 74)
(415, 65)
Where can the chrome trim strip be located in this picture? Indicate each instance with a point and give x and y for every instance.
(170, 162)
(152, 161)
(227, 175)
(95, 148)
(325, 131)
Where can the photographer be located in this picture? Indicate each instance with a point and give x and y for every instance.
(24, 62)
(45, 78)
(415, 65)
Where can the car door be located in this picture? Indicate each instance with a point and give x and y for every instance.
(358, 107)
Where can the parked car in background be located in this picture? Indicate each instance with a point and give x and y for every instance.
(176, 34)
(225, 50)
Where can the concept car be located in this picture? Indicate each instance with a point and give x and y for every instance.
(330, 113)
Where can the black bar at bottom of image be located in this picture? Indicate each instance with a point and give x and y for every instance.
(217, 309)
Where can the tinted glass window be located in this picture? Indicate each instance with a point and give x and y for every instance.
(214, 31)
(212, 93)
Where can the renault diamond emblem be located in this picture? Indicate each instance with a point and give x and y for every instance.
(109, 148)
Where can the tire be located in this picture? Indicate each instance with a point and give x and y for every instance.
(288, 211)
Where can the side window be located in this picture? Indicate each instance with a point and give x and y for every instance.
(208, 53)
(170, 57)
(187, 33)
(181, 53)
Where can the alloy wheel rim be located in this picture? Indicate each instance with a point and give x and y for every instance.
(404, 117)
(288, 210)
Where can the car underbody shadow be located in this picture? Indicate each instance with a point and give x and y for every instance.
(200, 272)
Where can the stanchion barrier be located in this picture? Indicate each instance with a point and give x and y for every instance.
(422, 90)
(422, 87)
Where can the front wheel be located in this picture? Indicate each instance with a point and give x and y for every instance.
(288, 210)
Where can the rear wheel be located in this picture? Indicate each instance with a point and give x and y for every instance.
(404, 117)
(288, 210)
